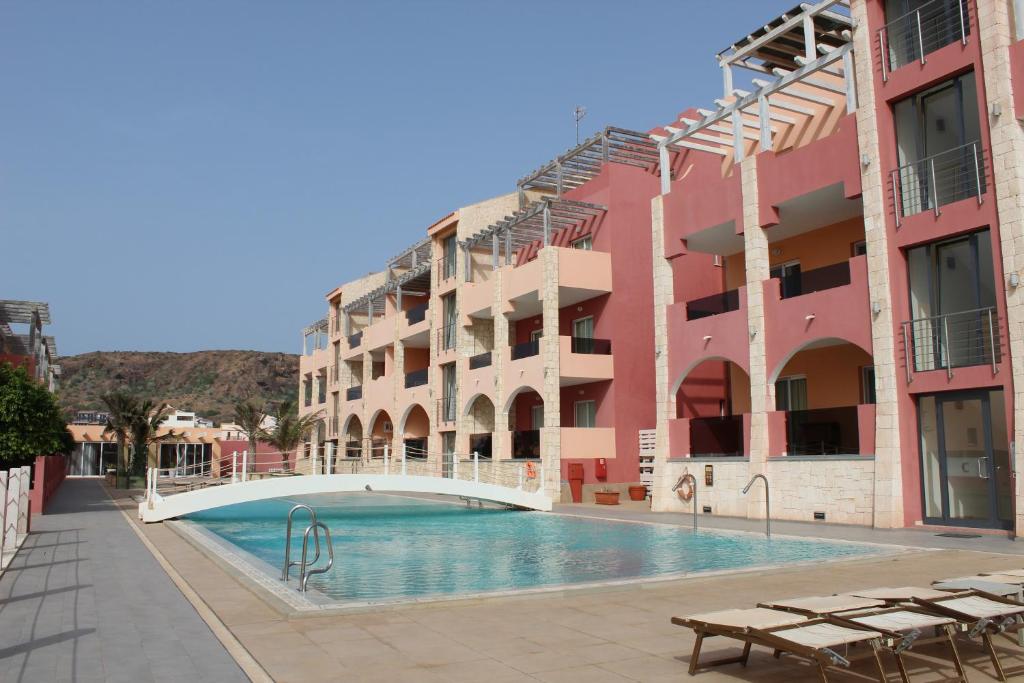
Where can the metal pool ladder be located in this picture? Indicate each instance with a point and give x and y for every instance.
(304, 566)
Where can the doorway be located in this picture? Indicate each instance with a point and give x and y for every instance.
(965, 459)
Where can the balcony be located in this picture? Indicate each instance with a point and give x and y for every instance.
(526, 443)
(445, 267)
(480, 360)
(583, 359)
(953, 340)
(844, 430)
(716, 304)
(587, 443)
(354, 340)
(481, 444)
(582, 275)
(354, 393)
(417, 378)
(824, 303)
(938, 180)
(447, 338)
(709, 437)
(911, 37)
(525, 349)
(417, 314)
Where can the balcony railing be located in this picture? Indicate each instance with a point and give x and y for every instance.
(526, 443)
(446, 267)
(446, 336)
(715, 304)
(953, 340)
(354, 340)
(589, 345)
(334, 374)
(526, 349)
(911, 36)
(823, 431)
(417, 314)
(480, 444)
(716, 436)
(321, 394)
(332, 426)
(938, 180)
(480, 360)
(818, 279)
(354, 393)
(446, 409)
(353, 449)
(417, 378)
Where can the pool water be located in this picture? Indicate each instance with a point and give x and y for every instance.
(391, 547)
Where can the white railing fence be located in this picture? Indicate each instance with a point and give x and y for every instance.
(14, 488)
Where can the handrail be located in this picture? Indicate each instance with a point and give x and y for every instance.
(952, 340)
(305, 573)
(288, 542)
(767, 504)
(935, 19)
(693, 480)
(939, 179)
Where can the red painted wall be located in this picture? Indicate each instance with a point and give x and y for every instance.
(48, 474)
(266, 457)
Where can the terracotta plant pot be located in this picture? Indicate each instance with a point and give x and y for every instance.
(606, 497)
(638, 493)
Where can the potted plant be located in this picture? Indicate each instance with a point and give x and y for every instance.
(606, 497)
(638, 492)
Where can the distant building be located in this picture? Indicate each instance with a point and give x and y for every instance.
(22, 342)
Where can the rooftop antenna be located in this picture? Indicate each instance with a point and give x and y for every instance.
(578, 113)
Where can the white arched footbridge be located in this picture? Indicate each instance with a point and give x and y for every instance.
(172, 494)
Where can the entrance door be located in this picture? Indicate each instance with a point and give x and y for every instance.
(965, 459)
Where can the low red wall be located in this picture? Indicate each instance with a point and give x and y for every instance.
(266, 458)
(48, 474)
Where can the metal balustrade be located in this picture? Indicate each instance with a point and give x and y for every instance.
(716, 436)
(526, 443)
(953, 340)
(716, 304)
(525, 349)
(446, 336)
(818, 279)
(480, 360)
(446, 409)
(446, 266)
(823, 431)
(590, 345)
(354, 393)
(417, 378)
(937, 180)
(417, 314)
(354, 340)
(912, 36)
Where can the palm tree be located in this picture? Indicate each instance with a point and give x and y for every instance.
(290, 430)
(249, 416)
(120, 407)
(143, 429)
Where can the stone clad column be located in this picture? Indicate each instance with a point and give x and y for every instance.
(663, 295)
(888, 485)
(762, 390)
(996, 35)
(501, 438)
(551, 391)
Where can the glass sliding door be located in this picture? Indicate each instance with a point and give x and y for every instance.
(965, 462)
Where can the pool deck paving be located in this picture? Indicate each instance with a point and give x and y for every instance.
(85, 600)
(615, 633)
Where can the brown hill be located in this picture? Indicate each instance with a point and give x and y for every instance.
(208, 382)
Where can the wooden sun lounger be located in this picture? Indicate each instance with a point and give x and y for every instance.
(812, 639)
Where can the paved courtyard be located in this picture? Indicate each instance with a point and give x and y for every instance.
(84, 600)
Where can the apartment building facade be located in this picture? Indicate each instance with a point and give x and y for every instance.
(22, 342)
(864, 199)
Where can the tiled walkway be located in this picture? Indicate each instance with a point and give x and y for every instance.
(84, 600)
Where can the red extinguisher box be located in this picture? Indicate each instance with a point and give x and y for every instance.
(601, 468)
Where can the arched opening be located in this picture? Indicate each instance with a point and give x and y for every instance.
(381, 432)
(352, 437)
(526, 420)
(478, 422)
(826, 390)
(416, 432)
(712, 407)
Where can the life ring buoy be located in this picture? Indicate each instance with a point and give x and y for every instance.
(531, 470)
(684, 489)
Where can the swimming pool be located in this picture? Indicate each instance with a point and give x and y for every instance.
(396, 548)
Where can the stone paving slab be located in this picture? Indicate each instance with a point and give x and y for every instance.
(84, 600)
(619, 634)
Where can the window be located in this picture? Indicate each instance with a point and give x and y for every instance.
(448, 256)
(535, 335)
(586, 414)
(448, 392)
(583, 328)
(585, 243)
(791, 393)
(537, 416)
(450, 319)
(867, 384)
(860, 248)
(789, 277)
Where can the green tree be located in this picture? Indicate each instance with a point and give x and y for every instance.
(249, 416)
(121, 408)
(31, 422)
(144, 425)
(290, 429)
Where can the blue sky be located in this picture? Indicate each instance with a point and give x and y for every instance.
(165, 166)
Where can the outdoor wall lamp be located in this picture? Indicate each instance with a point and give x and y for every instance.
(1014, 280)
(707, 338)
(753, 332)
(865, 160)
(876, 307)
(809, 317)
(996, 108)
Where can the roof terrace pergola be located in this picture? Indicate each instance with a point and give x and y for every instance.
(21, 311)
(584, 161)
(808, 53)
(408, 273)
(534, 223)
